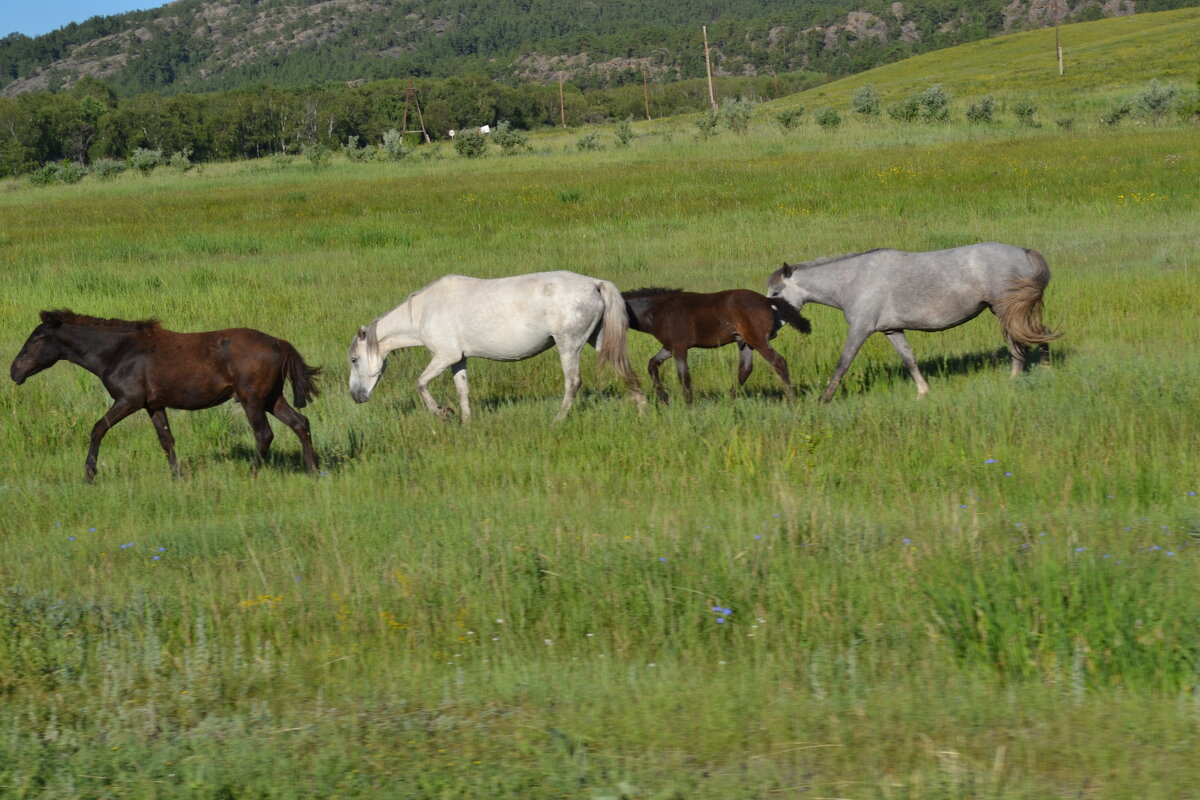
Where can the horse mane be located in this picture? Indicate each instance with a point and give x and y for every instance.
(649, 291)
(816, 262)
(64, 316)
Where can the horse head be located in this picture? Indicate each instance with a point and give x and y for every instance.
(41, 350)
(366, 363)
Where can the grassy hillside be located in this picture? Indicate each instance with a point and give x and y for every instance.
(988, 593)
(1103, 61)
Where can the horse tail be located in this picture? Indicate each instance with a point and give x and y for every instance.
(302, 376)
(790, 314)
(614, 328)
(1020, 310)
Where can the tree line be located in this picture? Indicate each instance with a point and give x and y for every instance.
(91, 122)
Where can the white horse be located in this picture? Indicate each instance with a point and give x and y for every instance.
(504, 319)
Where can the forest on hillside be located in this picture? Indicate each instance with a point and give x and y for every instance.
(207, 45)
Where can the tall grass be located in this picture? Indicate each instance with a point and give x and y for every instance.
(987, 593)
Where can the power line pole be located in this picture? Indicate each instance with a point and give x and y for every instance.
(712, 101)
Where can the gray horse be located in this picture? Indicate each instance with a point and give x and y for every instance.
(891, 291)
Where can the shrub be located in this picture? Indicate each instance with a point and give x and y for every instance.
(935, 103)
(624, 132)
(107, 168)
(470, 144)
(791, 118)
(907, 110)
(589, 141)
(1065, 123)
(707, 124)
(510, 140)
(71, 172)
(1156, 100)
(44, 175)
(1118, 113)
(394, 147)
(1024, 111)
(867, 101)
(355, 153)
(982, 111)
(736, 114)
(318, 155)
(182, 160)
(828, 118)
(144, 160)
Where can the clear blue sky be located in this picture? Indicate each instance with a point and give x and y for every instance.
(35, 17)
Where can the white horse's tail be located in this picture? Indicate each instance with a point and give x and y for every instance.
(613, 348)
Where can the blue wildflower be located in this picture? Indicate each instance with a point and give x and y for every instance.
(990, 461)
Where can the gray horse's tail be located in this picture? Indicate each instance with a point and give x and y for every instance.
(614, 348)
(790, 314)
(1020, 311)
(302, 376)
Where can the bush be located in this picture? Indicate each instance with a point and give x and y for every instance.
(791, 118)
(394, 147)
(71, 172)
(182, 160)
(1024, 111)
(318, 155)
(144, 160)
(510, 140)
(1065, 123)
(44, 175)
(589, 141)
(982, 111)
(707, 124)
(1118, 113)
(867, 101)
(470, 144)
(355, 153)
(107, 169)
(907, 110)
(935, 104)
(736, 114)
(624, 132)
(828, 118)
(1156, 100)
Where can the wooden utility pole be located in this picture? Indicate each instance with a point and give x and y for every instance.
(712, 100)
(1057, 41)
(410, 94)
(646, 94)
(562, 109)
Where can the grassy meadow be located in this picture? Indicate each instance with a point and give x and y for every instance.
(993, 592)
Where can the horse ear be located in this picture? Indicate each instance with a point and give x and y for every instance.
(787, 270)
(362, 331)
(52, 318)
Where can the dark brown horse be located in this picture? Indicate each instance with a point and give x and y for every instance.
(681, 320)
(144, 366)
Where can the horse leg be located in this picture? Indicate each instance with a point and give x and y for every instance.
(119, 410)
(263, 435)
(440, 363)
(459, 371)
(163, 428)
(906, 355)
(779, 364)
(298, 423)
(685, 377)
(1018, 354)
(745, 367)
(655, 361)
(568, 356)
(854, 341)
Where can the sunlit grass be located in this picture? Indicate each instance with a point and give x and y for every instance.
(988, 593)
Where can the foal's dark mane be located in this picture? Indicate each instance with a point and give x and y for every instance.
(649, 291)
(64, 316)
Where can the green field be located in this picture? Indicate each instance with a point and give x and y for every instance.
(989, 593)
